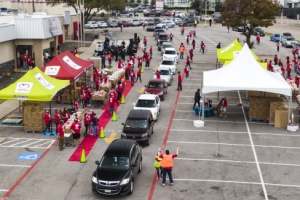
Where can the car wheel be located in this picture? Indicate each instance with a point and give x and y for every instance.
(131, 187)
(140, 166)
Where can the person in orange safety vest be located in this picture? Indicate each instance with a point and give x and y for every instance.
(167, 164)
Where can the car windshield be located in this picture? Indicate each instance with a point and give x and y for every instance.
(167, 62)
(290, 39)
(145, 103)
(114, 162)
(150, 24)
(170, 52)
(259, 29)
(164, 72)
(167, 46)
(155, 85)
(136, 124)
(163, 37)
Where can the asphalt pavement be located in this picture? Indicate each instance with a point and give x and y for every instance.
(230, 158)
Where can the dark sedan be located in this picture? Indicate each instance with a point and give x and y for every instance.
(125, 23)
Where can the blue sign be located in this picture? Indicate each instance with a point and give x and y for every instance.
(29, 156)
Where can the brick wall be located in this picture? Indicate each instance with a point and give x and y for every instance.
(7, 67)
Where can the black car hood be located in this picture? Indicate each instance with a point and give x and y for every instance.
(110, 175)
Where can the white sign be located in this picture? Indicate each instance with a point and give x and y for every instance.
(55, 28)
(71, 63)
(24, 87)
(44, 82)
(52, 70)
(236, 53)
(159, 5)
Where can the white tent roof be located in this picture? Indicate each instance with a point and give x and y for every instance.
(244, 73)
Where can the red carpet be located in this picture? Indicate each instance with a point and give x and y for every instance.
(89, 141)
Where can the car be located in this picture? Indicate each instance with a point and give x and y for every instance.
(286, 34)
(162, 37)
(188, 21)
(165, 73)
(125, 14)
(179, 14)
(157, 20)
(157, 31)
(216, 14)
(258, 30)
(141, 21)
(164, 24)
(165, 45)
(275, 37)
(102, 24)
(117, 170)
(288, 41)
(171, 53)
(148, 102)
(158, 87)
(91, 24)
(112, 23)
(177, 21)
(125, 23)
(205, 18)
(130, 21)
(168, 63)
(150, 26)
(135, 22)
(238, 28)
(217, 19)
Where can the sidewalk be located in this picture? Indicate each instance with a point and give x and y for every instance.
(8, 107)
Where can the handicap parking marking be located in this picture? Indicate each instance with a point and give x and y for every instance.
(32, 156)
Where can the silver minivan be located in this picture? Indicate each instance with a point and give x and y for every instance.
(112, 23)
(166, 45)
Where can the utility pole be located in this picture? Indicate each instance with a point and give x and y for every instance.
(205, 11)
(33, 8)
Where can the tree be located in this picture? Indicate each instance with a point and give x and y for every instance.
(219, 6)
(146, 2)
(152, 2)
(139, 2)
(249, 14)
(197, 5)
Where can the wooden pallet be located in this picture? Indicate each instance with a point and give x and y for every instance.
(12, 121)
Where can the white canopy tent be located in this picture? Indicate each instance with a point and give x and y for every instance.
(244, 73)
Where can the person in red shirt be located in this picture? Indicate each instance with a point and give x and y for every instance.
(91, 115)
(100, 75)
(75, 51)
(85, 99)
(179, 81)
(275, 59)
(288, 69)
(145, 41)
(132, 77)
(76, 105)
(144, 53)
(167, 165)
(287, 60)
(127, 71)
(123, 81)
(111, 101)
(157, 74)
(277, 46)
(47, 120)
(105, 79)
(138, 74)
(257, 38)
(190, 34)
(120, 64)
(30, 62)
(269, 65)
(191, 52)
(140, 61)
(193, 43)
(24, 60)
(61, 135)
(148, 59)
(86, 121)
(194, 34)
(187, 39)
(188, 62)
(224, 107)
(56, 118)
(297, 81)
(89, 92)
(120, 90)
(95, 74)
(202, 47)
(295, 61)
(109, 58)
(66, 114)
(150, 51)
(187, 72)
(97, 83)
(171, 37)
(182, 30)
(76, 129)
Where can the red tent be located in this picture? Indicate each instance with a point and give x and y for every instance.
(66, 66)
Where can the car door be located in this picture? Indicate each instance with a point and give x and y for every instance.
(133, 159)
(157, 99)
(165, 87)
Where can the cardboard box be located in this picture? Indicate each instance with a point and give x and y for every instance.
(281, 119)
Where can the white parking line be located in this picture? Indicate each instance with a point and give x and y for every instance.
(43, 144)
(20, 142)
(237, 161)
(193, 111)
(9, 141)
(31, 143)
(195, 79)
(237, 182)
(50, 144)
(2, 190)
(229, 144)
(3, 165)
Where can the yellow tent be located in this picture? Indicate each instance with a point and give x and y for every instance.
(262, 64)
(229, 52)
(34, 86)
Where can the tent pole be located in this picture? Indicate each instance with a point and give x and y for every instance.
(218, 96)
(50, 117)
(217, 63)
(19, 105)
(203, 107)
(289, 113)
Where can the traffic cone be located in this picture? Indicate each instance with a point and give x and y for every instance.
(83, 159)
(143, 69)
(101, 135)
(114, 117)
(122, 99)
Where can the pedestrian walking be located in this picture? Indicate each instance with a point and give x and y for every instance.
(61, 135)
(150, 51)
(171, 37)
(228, 28)
(275, 59)
(202, 47)
(121, 27)
(57, 119)
(193, 43)
(76, 129)
(191, 52)
(277, 46)
(138, 74)
(187, 72)
(47, 121)
(188, 40)
(257, 38)
(132, 77)
(210, 21)
(194, 34)
(197, 98)
(157, 164)
(288, 69)
(224, 107)
(295, 61)
(188, 62)
(145, 42)
(86, 121)
(167, 164)
(182, 30)
(179, 87)
(148, 59)
(95, 125)
(157, 74)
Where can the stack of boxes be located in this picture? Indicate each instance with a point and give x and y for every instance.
(70, 94)
(33, 113)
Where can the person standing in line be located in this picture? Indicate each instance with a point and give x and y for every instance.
(197, 98)
(61, 135)
(138, 74)
(188, 40)
(202, 47)
(76, 128)
(47, 120)
(157, 163)
(95, 125)
(277, 46)
(193, 43)
(56, 119)
(179, 87)
(145, 42)
(111, 100)
(191, 52)
(150, 51)
(188, 62)
(132, 77)
(167, 165)
(181, 49)
(224, 107)
(187, 72)
(288, 69)
(86, 121)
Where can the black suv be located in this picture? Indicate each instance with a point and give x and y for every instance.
(117, 170)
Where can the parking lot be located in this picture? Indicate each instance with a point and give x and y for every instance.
(229, 158)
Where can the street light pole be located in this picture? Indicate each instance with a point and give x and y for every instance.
(205, 11)
(83, 22)
(281, 12)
